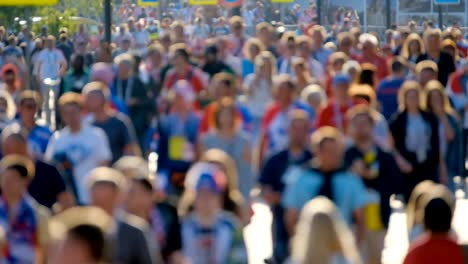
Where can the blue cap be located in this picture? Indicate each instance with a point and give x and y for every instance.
(204, 176)
(341, 78)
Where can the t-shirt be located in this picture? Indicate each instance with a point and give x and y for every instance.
(387, 94)
(50, 63)
(85, 151)
(304, 184)
(47, 184)
(120, 132)
(434, 250)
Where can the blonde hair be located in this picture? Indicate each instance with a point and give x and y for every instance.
(11, 107)
(406, 87)
(320, 233)
(414, 210)
(314, 89)
(435, 86)
(265, 56)
(451, 44)
(325, 133)
(252, 42)
(405, 51)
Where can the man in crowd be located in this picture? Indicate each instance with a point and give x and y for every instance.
(129, 242)
(326, 177)
(426, 71)
(272, 181)
(445, 62)
(78, 147)
(38, 134)
(56, 194)
(118, 127)
(370, 54)
(380, 175)
(387, 90)
(320, 53)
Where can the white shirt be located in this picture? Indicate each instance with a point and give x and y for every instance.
(260, 96)
(50, 61)
(86, 150)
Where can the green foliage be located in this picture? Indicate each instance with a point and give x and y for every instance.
(55, 17)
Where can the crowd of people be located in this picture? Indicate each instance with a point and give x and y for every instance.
(161, 136)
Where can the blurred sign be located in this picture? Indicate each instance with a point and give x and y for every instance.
(446, 2)
(282, 1)
(230, 3)
(148, 2)
(203, 2)
(27, 2)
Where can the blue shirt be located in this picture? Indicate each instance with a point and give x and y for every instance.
(38, 139)
(322, 55)
(387, 95)
(302, 185)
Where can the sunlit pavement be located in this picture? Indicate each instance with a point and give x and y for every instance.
(258, 235)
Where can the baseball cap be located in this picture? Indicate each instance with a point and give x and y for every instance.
(341, 79)
(206, 176)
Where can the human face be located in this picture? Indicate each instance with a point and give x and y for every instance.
(346, 45)
(71, 251)
(13, 185)
(433, 43)
(298, 132)
(450, 51)
(126, 44)
(9, 78)
(104, 196)
(94, 102)
(207, 202)
(71, 114)
(223, 90)
(412, 100)
(237, 28)
(425, 76)
(285, 94)
(338, 65)
(340, 92)
(27, 110)
(436, 101)
(315, 101)
(414, 47)
(178, 60)
(254, 51)
(318, 38)
(368, 49)
(11, 145)
(138, 198)
(49, 44)
(361, 128)
(329, 154)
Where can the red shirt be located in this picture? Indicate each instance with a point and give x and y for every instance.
(435, 250)
(329, 116)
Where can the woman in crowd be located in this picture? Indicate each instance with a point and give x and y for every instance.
(77, 76)
(413, 48)
(7, 109)
(416, 137)
(229, 138)
(175, 140)
(210, 234)
(322, 237)
(302, 74)
(252, 48)
(335, 66)
(258, 85)
(451, 162)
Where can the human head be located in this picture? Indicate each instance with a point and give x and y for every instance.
(432, 39)
(211, 54)
(208, 183)
(368, 75)
(12, 40)
(314, 96)
(361, 123)
(223, 85)
(299, 127)
(337, 60)
(77, 62)
(9, 74)
(14, 141)
(237, 25)
(265, 64)
(399, 66)
(304, 46)
(451, 48)
(436, 98)
(182, 96)
(105, 188)
(341, 84)
(140, 198)
(345, 42)
(322, 233)
(285, 90)
(437, 216)
(155, 54)
(126, 43)
(252, 48)
(264, 32)
(180, 55)
(95, 96)
(409, 96)
(328, 147)
(125, 64)
(78, 235)
(288, 40)
(70, 107)
(363, 93)
(28, 104)
(318, 35)
(353, 69)
(16, 172)
(369, 44)
(49, 42)
(7, 105)
(426, 71)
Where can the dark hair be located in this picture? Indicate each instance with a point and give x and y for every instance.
(438, 216)
(145, 183)
(224, 78)
(92, 237)
(398, 64)
(184, 53)
(20, 169)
